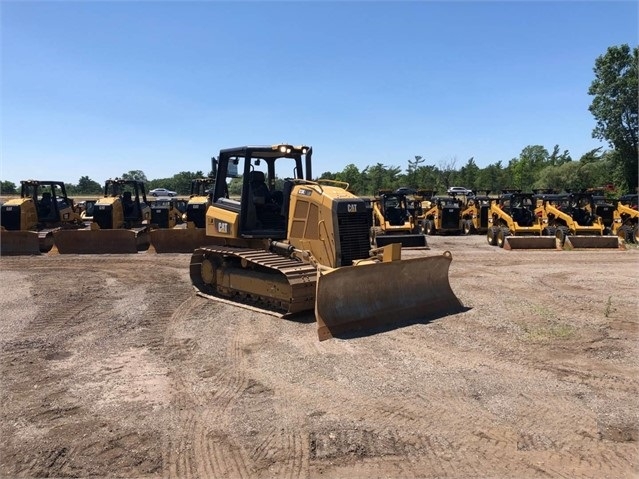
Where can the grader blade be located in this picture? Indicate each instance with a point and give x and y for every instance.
(369, 295)
(530, 242)
(179, 240)
(15, 243)
(578, 242)
(116, 241)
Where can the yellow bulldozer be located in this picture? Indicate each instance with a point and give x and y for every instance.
(393, 222)
(29, 222)
(513, 222)
(293, 244)
(191, 233)
(572, 218)
(120, 223)
(626, 217)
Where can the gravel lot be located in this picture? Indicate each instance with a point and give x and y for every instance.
(112, 366)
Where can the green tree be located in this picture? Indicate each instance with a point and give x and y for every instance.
(351, 175)
(615, 104)
(135, 175)
(8, 188)
(86, 186)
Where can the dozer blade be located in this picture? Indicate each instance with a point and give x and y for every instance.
(530, 242)
(100, 241)
(591, 242)
(369, 295)
(407, 241)
(179, 240)
(14, 243)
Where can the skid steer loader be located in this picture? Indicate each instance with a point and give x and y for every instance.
(393, 222)
(292, 244)
(514, 224)
(185, 237)
(443, 217)
(28, 222)
(571, 218)
(626, 218)
(120, 224)
(475, 214)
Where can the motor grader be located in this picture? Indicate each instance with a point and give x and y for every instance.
(514, 224)
(572, 219)
(443, 217)
(28, 222)
(191, 233)
(121, 222)
(393, 222)
(626, 218)
(293, 244)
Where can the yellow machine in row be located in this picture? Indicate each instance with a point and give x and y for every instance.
(626, 219)
(575, 221)
(293, 244)
(29, 222)
(120, 222)
(393, 221)
(513, 223)
(190, 233)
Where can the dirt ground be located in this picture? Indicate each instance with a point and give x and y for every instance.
(112, 366)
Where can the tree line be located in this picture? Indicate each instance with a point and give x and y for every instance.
(615, 91)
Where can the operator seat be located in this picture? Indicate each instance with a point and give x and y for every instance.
(44, 208)
(127, 204)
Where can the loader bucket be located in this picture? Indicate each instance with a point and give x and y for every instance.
(179, 240)
(407, 241)
(369, 295)
(100, 241)
(14, 243)
(591, 242)
(530, 242)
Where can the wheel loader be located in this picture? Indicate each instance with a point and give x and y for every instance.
(513, 222)
(393, 221)
(120, 224)
(292, 244)
(185, 237)
(626, 218)
(443, 217)
(28, 222)
(572, 219)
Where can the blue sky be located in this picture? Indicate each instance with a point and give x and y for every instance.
(102, 88)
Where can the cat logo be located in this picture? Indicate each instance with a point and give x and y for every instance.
(351, 207)
(304, 192)
(222, 227)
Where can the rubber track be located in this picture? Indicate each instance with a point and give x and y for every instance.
(301, 277)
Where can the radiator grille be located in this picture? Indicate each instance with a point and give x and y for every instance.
(354, 239)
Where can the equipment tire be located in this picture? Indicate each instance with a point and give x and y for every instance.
(501, 236)
(430, 228)
(635, 234)
(468, 227)
(491, 235)
(561, 234)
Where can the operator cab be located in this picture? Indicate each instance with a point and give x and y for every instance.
(268, 174)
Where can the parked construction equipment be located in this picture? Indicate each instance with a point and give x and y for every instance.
(475, 214)
(184, 238)
(626, 217)
(28, 222)
(571, 218)
(443, 217)
(306, 246)
(514, 224)
(121, 222)
(393, 222)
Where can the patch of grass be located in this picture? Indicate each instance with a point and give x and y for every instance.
(609, 308)
(548, 333)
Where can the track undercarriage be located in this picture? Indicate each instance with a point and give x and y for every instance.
(254, 276)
